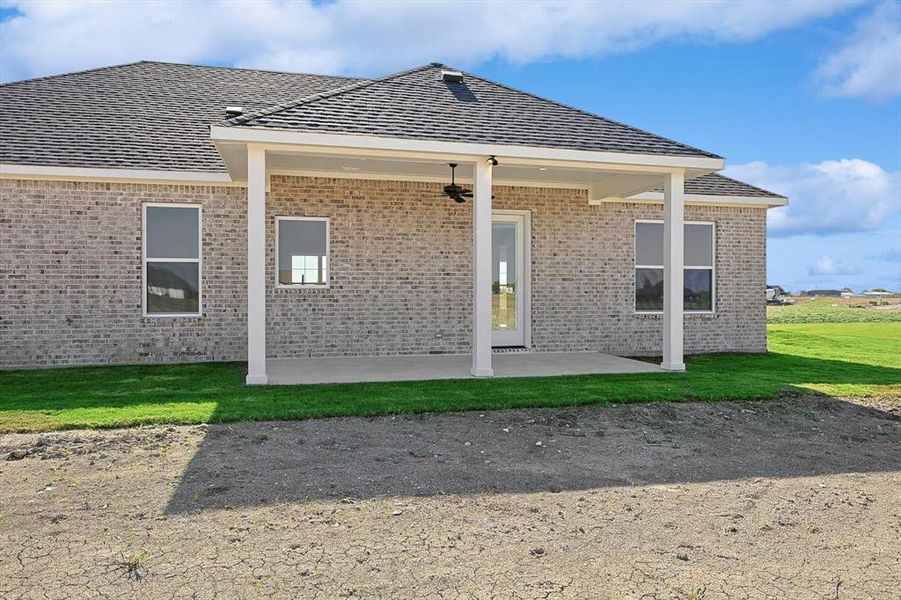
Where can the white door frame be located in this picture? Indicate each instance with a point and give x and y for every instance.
(524, 241)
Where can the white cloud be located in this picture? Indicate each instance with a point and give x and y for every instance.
(368, 37)
(868, 63)
(834, 196)
(826, 266)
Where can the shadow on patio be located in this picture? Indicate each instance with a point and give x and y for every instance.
(521, 451)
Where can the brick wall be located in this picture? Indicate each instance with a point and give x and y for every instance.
(401, 274)
(583, 276)
(70, 274)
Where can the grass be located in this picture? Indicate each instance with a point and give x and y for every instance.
(853, 359)
(834, 310)
(133, 565)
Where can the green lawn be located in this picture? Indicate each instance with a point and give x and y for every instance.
(848, 359)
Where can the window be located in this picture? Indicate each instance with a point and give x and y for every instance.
(171, 260)
(302, 251)
(698, 295)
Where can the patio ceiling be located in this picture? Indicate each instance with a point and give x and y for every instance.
(600, 181)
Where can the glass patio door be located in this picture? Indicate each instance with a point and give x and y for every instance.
(507, 280)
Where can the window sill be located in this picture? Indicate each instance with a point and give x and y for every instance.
(153, 317)
(653, 316)
(288, 288)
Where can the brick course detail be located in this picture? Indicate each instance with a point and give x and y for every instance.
(400, 274)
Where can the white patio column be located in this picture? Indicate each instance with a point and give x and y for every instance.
(256, 265)
(481, 269)
(673, 269)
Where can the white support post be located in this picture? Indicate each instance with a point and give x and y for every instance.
(673, 269)
(256, 266)
(481, 268)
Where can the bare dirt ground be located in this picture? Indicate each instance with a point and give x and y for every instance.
(792, 498)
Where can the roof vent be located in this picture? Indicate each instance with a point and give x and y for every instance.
(233, 111)
(451, 76)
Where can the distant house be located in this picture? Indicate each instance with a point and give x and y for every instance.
(878, 293)
(828, 293)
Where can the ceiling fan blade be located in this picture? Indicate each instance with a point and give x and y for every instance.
(468, 194)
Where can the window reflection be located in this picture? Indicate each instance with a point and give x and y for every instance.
(308, 269)
(302, 251)
(698, 260)
(173, 287)
(503, 287)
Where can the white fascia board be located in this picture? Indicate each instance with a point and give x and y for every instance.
(8, 171)
(410, 148)
(702, 199)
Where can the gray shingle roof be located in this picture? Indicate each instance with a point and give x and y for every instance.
(152, 115)
(145, 115)
(715, 184)
(418, 104)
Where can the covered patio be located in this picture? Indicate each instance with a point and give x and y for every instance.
(254, 155)
(292, 371)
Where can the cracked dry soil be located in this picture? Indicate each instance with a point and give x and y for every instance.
(796, 497)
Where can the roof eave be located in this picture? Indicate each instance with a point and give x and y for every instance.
(128, 175)
(715, 199)
(62, 173)
(421, 148)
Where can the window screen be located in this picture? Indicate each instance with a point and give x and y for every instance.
(699, 267)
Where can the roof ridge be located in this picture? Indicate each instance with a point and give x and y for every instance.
(177, 64)
(241, 120)
(588, 113)
(226, 68)
(81, 72)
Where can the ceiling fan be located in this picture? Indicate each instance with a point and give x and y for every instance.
(458, 193)
(455, 192)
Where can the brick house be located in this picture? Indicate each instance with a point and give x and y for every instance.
(156, 212)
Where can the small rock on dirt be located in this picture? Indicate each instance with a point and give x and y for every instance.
(17, 455)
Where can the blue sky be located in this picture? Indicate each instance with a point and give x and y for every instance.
(803, 98)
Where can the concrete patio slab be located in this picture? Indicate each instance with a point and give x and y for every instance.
(288, 371)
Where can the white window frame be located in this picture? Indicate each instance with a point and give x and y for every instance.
(711, 267)
(145, 259)
(328, 255)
